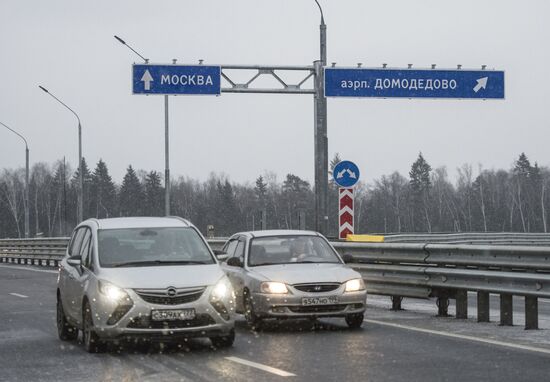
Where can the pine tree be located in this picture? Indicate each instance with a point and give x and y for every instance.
(420, 184)
(227, 211)
(103, 195)
(86, 188)
(420, 175)
(296, 195)
(131, 195)
(261, 189)
(154, 194)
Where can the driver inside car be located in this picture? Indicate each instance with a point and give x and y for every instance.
(299, 250)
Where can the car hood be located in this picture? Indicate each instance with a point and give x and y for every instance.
(178, 276)
(306, 273)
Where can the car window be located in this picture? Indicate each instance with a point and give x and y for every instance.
(85, 247)
(290, 249)
(152, 246)
(230, 247)
(88, 255)
(239, 251)
(76, 241)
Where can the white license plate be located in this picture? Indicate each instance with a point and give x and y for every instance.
(329, 300)
(173, 315)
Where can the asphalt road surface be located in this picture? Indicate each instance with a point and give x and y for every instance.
(412, 345)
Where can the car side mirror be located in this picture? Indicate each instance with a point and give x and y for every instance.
(221, 256)
(74, 261)
(348, 258)
(234, 262)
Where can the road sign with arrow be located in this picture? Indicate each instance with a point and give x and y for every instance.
(414, 83)
(346, 174)
(176, 79)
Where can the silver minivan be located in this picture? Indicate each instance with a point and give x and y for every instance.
(153, 278)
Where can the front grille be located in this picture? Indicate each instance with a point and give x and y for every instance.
(317, 288)
(161, 297)
(317, 308)
(147, 323)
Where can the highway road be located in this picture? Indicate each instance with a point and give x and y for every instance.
(410, 345)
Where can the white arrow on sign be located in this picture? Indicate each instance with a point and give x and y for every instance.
(481, 83)
(341, 174)
(351, 174)
(147, 79)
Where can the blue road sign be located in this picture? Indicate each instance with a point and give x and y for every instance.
(413, 83)
(176, 79)
(346, 174)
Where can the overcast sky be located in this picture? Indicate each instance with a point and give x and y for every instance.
(68, 46)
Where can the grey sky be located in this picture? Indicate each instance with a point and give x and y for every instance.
(68, 46)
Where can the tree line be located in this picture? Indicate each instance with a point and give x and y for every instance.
(426, 200)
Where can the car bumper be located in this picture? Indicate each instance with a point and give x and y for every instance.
(137, 321)
(291, 306)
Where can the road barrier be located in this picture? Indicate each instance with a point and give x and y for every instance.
(449, 271)
(443, 271)
(492, 238)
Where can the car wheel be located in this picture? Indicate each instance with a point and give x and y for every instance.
(223, 341)
(355, 320)
(65, 331)
(92, 342)
(253, 320)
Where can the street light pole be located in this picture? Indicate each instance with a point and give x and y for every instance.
(321, 140)
(166, 138)
(80, 209)
(26, 197)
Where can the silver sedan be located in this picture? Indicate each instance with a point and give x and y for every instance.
(292, 274)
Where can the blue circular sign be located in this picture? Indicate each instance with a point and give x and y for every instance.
(346, 174)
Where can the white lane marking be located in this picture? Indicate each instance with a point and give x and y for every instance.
(269, 369)
(27, 269)
(460, 336)
(19, 295)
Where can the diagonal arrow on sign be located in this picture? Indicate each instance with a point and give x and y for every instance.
(481, 84)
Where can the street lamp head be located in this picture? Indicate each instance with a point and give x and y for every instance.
(43, 88)
(120, 40)
(321, 10)
(132, 49)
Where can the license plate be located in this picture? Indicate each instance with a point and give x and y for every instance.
(329, 300)
(173, 315)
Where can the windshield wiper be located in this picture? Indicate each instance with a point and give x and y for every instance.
(158, 262)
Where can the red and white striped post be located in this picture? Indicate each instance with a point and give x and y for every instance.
(345, 213)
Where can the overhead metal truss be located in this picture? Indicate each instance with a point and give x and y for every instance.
(286, 87)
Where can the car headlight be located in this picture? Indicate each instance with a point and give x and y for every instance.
(355, 285)
(222, 290)
(273, 287)
(112, 292)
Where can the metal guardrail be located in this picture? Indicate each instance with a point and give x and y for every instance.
(449, 271)
(493, 238)
(398, 270)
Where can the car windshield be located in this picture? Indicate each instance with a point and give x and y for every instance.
(151, 246)
(290, 250)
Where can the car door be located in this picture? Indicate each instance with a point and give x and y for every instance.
(237, 274)
(229, 249)
(78, 276)
(69, 273)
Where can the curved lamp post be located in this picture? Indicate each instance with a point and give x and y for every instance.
(26, 201)
(80, 209)
(166, 138)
